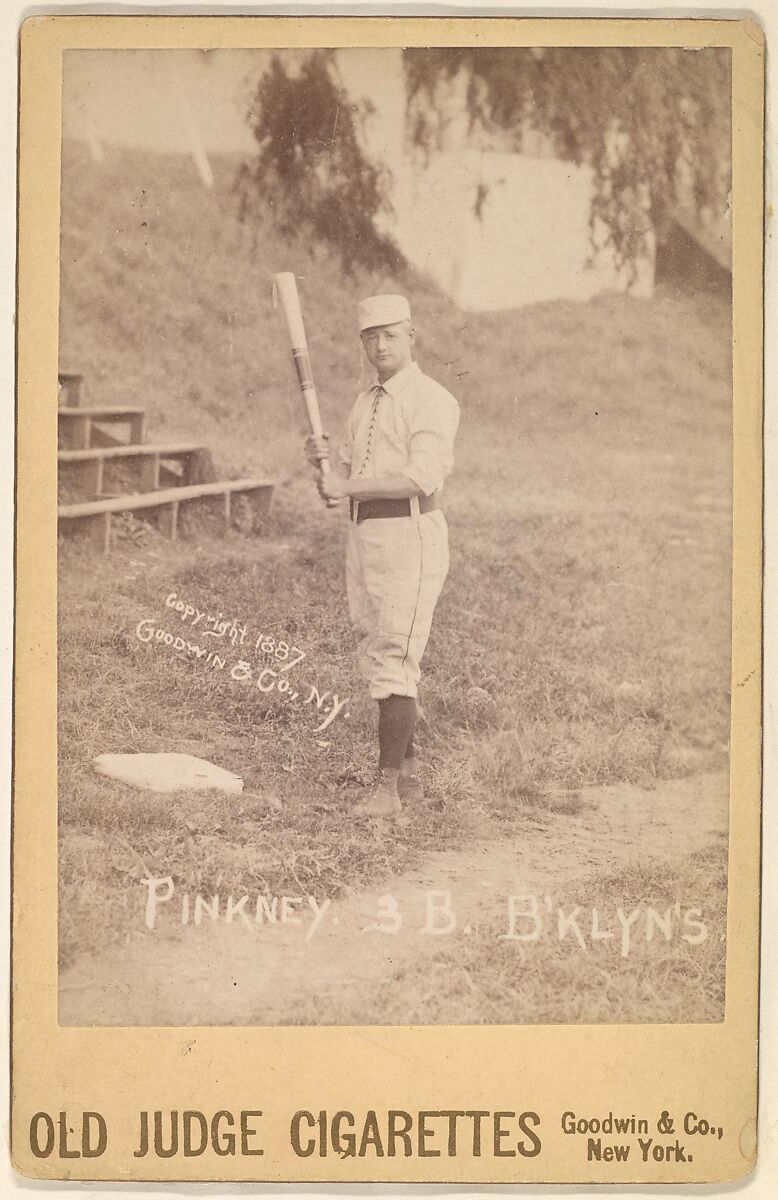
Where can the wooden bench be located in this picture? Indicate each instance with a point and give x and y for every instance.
(77, 425)
(96, 514)
(90, 463)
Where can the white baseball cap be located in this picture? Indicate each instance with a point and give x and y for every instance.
(382, 310)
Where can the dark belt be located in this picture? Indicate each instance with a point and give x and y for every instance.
(369, 509)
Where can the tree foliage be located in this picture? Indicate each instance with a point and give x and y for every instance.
(640, 118)
(644, 120)
(310, 171)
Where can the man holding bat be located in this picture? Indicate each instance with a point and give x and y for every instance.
(396, 453)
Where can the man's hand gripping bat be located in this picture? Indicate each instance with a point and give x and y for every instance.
(285, 288)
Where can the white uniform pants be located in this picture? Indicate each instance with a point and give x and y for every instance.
(395, 568)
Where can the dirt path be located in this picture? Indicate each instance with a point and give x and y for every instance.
(241, 972)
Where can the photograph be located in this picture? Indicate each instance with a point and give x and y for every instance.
(394, 535)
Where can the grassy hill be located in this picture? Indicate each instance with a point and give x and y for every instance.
(583, 635)
(167, 301)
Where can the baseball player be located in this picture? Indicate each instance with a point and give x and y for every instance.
(397, 451)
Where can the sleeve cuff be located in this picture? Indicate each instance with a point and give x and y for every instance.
(420, 478)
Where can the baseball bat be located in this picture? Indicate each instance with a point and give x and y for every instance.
(285, 288)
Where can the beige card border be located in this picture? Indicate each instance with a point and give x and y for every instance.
(589, 1069)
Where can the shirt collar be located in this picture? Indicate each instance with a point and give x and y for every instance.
(397, 382)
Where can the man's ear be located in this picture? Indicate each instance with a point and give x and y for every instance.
(412, 334)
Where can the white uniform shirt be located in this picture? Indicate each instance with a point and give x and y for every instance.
(405, 426)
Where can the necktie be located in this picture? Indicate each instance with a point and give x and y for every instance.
(378, 393)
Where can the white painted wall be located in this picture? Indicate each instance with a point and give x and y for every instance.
(529, 241)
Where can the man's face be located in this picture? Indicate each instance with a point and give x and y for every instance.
(388, 347)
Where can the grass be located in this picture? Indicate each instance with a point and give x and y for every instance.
(118, 694)
(582, 637)
(487, 978)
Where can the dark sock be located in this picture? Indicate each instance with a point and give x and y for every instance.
(411, 748)
(396, 718)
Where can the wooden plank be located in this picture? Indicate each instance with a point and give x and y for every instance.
(158, 499)
(171, 450)
(97, 515)
(104, 412)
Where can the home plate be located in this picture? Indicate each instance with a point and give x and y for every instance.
(167, 772)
